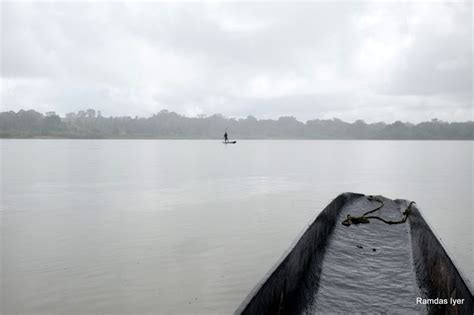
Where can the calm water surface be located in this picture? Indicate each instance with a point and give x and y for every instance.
(145, 226)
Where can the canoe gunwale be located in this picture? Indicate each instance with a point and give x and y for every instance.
(262, 287)
(437, 273)
(447, 252)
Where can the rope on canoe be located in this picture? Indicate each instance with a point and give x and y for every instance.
(365, 219)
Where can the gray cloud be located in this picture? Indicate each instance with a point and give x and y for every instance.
(353, 60)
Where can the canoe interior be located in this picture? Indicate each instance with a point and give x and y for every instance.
(372, 267)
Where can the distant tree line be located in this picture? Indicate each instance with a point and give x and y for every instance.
(165, 124)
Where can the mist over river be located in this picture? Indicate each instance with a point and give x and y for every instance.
(190, 226)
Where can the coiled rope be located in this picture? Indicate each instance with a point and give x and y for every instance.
(365, 219)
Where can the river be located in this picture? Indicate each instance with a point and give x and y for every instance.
(190, 226)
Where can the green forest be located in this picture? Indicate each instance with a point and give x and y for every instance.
(89, 124)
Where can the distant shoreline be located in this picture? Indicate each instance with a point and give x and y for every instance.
(90, 124)
(217, 139)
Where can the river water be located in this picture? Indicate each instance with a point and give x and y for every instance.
(190, 226)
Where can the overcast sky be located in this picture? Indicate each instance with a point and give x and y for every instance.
(409, 61)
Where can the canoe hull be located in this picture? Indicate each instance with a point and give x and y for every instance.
(291, 285)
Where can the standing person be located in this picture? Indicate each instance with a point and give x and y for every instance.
(226, 138)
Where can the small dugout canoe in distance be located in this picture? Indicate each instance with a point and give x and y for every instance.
(229, 142)
(388, 260)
